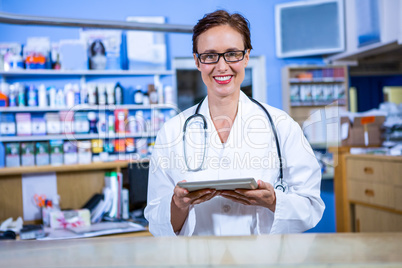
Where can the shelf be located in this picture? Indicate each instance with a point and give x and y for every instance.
(48, 72)
(72, 137)
(327, 176)
(316, 80)
(87, 107)
(64, 168)
(340, 102)
(103, 24)
(366, 52)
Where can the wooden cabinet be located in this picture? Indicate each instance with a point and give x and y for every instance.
(374, 190)
(75, 184)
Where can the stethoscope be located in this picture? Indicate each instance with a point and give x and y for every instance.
(280, 184)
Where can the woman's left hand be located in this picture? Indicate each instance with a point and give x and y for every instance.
(263, 196)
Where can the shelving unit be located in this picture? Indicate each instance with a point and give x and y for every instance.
(75, 183)
(300, 108)
(293, 76)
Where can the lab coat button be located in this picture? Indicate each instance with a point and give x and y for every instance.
(226, 208)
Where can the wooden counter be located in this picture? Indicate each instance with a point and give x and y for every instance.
(293, 250)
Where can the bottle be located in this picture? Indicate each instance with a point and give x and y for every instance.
(101, 94)
(32, 96)
(140, 120)
(169, 95)
(153, 95)
(42, 96)
(118, 94)
(91, 94)
(77, 94)
(138, 96)
(12, 99)
(132, 125)
(21, 94)
(57, 64)
(52, 96)
(145, 100)
(110, 93)
(60, 98)
(84, 94)
(68, 91)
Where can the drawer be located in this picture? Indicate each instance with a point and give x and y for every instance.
(393, 172)
(365, 170)
(369, 219)
(398, 198)
(372, 193)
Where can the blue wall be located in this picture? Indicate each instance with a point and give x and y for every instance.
(259, 12)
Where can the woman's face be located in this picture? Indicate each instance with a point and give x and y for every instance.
(222, 79)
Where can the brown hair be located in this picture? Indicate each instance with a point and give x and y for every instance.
(222, 17)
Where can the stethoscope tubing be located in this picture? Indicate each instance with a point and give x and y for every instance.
(280, 184)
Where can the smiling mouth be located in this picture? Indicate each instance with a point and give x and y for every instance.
(223, 79)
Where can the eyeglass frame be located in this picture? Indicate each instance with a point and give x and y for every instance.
(221, 55)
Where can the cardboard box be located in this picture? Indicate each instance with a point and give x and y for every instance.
(364, 131)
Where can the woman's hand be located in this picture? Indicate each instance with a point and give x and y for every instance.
(264, 196)
(181, 201)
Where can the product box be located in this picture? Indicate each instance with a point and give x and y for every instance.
(56, 152)
(42, 153)
(27, 154)
(67, 122)
(108, 146)
(13, 154)
(38, 125)
(363, 131)
(70, 218)
(70, 152)
(53, 124)
(119, 145)
(97, 146)
(7, 125)
(24, 127)
(84, 152)
(81, 123)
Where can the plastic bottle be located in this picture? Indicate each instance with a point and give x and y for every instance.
(21, 94)
(110, 94)
(68, 91)
(139, 117)
(12, 98)
(52, 96)
(42, 96)
(32, 96)
(118, 94)
(153, 95)
(138, 95)
(77, 94)
(60, 102)
(169, 99)
(101, 94)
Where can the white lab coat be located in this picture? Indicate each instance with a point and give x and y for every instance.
(250, 151)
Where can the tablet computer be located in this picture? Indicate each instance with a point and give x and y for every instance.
(230, 184)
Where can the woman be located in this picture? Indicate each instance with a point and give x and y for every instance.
(239, 143)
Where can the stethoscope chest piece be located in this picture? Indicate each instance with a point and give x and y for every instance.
(282, 186)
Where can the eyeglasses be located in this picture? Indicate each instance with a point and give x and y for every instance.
(231, 56)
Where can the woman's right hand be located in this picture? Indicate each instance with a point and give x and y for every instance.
(181, 201)
(182, 198)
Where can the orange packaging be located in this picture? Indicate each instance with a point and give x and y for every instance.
(119, 145)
